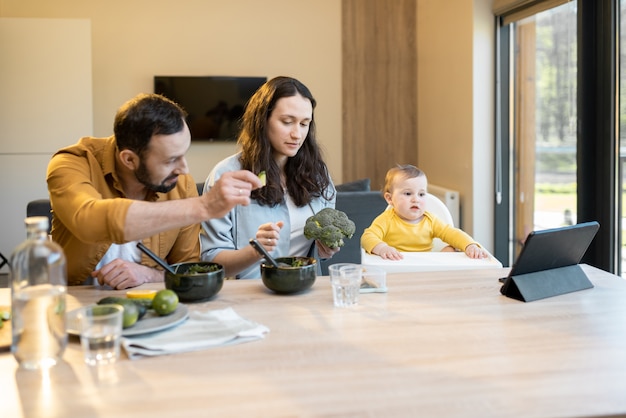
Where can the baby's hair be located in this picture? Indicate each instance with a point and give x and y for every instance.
(407, 171)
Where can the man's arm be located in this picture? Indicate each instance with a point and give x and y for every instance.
(145, 219)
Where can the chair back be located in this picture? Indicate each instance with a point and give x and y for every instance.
(40, 207)
(435, 206)
(361, 207)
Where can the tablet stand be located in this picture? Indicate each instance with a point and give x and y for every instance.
(546, 283)
(3, 260)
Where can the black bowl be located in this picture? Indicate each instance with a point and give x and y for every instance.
(286, 280)
(192, 287)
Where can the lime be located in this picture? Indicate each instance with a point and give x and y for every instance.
(165, 302)
(5, 315)
(130, 315)
(132, 311)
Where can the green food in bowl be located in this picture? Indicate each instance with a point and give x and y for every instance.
(193, 286)
(298, 262)
(200, 268)
(298, 276)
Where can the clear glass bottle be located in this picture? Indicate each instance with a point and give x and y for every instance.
(38, 287)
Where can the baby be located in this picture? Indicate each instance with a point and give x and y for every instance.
(406, 226)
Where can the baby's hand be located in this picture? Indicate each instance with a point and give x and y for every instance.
(474, 251)
(386, 252)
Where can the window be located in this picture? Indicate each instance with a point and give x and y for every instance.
(542, 135)
(557, 161)
(622, 130)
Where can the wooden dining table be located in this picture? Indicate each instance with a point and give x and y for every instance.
(437, 344)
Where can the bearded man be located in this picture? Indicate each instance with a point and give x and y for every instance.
(107, 194)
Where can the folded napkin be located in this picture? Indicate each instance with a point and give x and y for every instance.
(203, 329)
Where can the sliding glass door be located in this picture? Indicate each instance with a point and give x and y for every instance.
(622, 131)
(557, 159)
(542, 121)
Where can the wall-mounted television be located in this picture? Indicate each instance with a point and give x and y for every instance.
(214, 104)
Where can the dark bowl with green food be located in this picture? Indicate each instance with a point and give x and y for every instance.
(195, 281)
(294, 274)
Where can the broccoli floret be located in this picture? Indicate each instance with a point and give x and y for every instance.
(329, 226)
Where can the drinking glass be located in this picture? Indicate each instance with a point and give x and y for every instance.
(333, 269)
(100, 333)
(346, 286)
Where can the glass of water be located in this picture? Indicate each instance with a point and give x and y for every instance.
(100, 333)
(346, 286)
(333, 269)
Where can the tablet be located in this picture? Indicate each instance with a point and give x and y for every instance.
(553, 248)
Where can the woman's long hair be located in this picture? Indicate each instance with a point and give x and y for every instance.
(306, 173)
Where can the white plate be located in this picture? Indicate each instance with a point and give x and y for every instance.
(151, 322)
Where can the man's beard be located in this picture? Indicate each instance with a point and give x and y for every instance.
(143, 176)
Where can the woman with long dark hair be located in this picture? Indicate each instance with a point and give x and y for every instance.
(278, 138)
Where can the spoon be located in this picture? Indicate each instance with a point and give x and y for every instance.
(155, 257)
(267, 255)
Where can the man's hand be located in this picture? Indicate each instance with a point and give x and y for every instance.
(145, 219)
(122, 274)
(233, 188)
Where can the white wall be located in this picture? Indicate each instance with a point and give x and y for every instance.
(455, 47)
(133, 40)
(45, 87)
(483, 130)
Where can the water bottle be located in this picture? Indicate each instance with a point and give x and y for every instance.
(38, 286)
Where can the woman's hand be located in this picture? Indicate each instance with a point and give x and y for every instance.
(324, 251)
(268, 235)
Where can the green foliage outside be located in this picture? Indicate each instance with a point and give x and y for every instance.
(559, 196)
(561, 162)
(556, 188)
